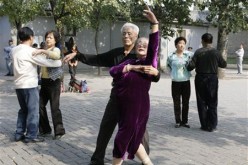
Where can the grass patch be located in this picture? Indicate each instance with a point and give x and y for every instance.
(232, 60)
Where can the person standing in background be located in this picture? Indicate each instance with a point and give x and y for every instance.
(72, 64)
(35, 45)
(206, 61)
(8, 58)
(240, 54)
(180, 87)
(190, 49)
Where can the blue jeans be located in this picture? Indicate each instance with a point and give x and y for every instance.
(28, 115)
(9, 65)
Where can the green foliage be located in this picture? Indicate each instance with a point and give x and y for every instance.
(229, 15)
(98, 10)
(88, 13)
(169, 13)
(66, 13)
(20, 11)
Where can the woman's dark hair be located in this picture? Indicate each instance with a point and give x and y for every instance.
(180, 39)
(207, 38)
(25, 33)
(56, 37)
(42, 45)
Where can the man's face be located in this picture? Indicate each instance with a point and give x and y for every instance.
(129, 36)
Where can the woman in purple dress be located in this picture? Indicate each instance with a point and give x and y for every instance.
(133, 83)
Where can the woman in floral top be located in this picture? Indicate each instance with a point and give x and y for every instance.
(180, 87)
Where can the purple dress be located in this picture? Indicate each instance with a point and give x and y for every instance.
(132, 91)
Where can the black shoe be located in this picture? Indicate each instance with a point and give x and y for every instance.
(177, 125)
(57, 137)
(19, 138)
(211, 129)
(44, 134)
(35, 140)
(7, 74)
(204, 129)
(94, 162)
(186, 125)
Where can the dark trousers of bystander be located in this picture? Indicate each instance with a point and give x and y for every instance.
(206, 87)
(181, 90)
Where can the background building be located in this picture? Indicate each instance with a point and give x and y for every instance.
(110, 37)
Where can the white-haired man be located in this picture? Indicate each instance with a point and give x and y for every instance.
(111, 58)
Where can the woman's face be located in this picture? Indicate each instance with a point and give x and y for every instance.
(141, 47)
(50, 40)
(181, 45)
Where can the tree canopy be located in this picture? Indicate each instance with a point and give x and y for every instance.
(20, 11)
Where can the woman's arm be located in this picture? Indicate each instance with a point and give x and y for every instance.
(119, 70)
(53, 53)
(152, 52)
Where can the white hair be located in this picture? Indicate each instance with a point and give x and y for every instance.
(130, 25)
(142, 39)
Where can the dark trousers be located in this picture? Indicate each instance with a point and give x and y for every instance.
(181, 90)
(206, 87)
(50, 91)
(107, 126)
(72, 71)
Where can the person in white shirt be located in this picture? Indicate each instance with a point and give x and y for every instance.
(26, 85)
(240, 54)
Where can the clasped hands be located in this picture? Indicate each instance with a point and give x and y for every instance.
(147, 69)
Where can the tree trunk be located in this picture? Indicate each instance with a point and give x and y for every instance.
(18, 26)
(96, 46)
(62, 39)
(222, 47)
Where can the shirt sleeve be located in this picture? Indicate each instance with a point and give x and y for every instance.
(192, 62)
(152, 52)
(55, 54)
(221, 62)
(106, 59)
(41, 60)
(116, 71)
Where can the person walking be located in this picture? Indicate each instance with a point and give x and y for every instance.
(8, 58)
(111, 58)
(206, 61)
(240, 54)
(26, 85)
(51, 87)
(180, 86)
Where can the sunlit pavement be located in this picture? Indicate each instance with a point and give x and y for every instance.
(82, 113)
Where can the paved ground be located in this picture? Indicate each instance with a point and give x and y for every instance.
(82, 113)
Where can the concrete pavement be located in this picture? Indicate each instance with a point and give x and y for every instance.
(82, 113)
